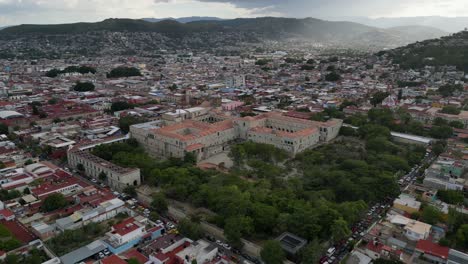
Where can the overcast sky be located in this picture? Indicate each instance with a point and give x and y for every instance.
(14, 12)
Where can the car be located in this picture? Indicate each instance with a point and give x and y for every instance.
(256, 261)
(159, 222)
(93, 180)
(227, 246)
(219, 242)
(101, 255)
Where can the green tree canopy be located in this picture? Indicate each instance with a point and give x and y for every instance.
(159, 202)
(462, 236)
(339, 229)
(431, 215)
(124, 72)
(83, 86)
(272, 253)
(451, 110)
(190, 229)
(332, 77)
(53, 202)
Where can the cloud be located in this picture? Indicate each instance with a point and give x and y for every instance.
(64, 11)
(346, 8)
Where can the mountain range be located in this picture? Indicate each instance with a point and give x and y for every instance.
(448, 24)
(274, 28)
(184, 19)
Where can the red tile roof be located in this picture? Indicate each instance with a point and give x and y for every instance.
(19, 231)
(137, 255)
(428, 247)
(125, 227)
(6, 213)
(114, 259)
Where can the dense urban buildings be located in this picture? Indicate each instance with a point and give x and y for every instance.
(229, 145)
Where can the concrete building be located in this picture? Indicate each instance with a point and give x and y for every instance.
(236, 81)
(457, 257)
(117, 177)
(407, 203)
(209, 134)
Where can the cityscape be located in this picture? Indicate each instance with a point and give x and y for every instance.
(240, 132)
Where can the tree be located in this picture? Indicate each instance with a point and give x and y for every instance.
(438, 147)
(451, 110)
(451, 196)
(190, 229)
(124, 72)
(190, 158)
(153, 216)
(332, 77)
(262, 62)
(133, 261)
(374, 131)
(83, 86)
(126, 121)
(339, 230)
(119, 106)
(12, 259)
(449, 89)
(264, 217)
(272, 253)
(462, 236)
(312, 252)
(400, 94)
(430, 215)
(441, 132)
(235, 227)
(3, 129)
(378, 97)
(102, 176)
(130, 190)
(159, 202)
(53, 202)
(80, 167)
(456, 124)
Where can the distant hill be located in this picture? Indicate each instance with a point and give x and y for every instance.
(448, 24)
(183, 19)
(130, 37)
(113, 25)
(418, 32)
(268, 27)
(449, 50)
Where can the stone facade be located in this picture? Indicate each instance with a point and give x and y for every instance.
(209, 134)
(117, 177)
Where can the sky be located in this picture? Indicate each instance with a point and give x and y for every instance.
(13, 12)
